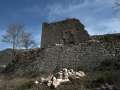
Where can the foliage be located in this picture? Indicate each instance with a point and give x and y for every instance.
(106, 38)
(109, 64)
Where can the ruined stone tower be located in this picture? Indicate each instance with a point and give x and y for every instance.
(69, 31)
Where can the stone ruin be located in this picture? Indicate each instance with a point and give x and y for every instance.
(63, 76)
(69, 31)
(86, 55)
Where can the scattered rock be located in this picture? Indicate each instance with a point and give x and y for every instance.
(62, 77)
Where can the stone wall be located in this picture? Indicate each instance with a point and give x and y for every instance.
(70, 31)
(86, 56)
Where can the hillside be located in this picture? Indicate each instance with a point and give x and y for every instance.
(5, 58)
(108, 37)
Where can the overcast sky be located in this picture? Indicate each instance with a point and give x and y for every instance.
(98, 16)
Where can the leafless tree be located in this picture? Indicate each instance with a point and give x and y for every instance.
(12, 36)
(18, 38)
(27, 41)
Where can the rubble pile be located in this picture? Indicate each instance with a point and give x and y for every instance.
(62, 77)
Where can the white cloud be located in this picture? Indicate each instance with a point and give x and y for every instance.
(104, 27)
(2, 45)
(96, 15)
(59, 9)
(1, 32)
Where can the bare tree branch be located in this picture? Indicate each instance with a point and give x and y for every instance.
(12, 36)
(27, 40)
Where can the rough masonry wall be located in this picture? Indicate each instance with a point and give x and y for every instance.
(69, 31)
(85, 55)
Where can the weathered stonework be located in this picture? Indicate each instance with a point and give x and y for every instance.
(83, 53)
(70, 31)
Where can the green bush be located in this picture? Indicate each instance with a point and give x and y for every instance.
(109, 64)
